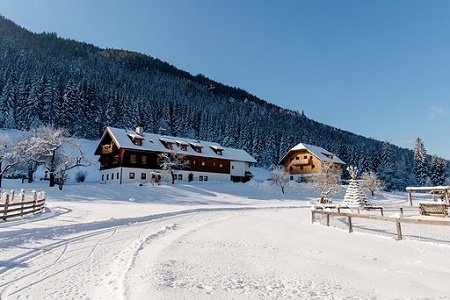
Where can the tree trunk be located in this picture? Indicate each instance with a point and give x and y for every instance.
(30, 174)
(52, 171)
(1, 173)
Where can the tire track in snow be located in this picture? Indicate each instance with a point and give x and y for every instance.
(113, 286)
(25, 269)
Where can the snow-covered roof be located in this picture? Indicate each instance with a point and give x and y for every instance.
(151, 142)
(317, 151)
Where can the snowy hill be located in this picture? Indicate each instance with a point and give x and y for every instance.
(83, 88)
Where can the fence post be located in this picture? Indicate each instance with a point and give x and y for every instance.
(399, 229)
(5, 212)
(350, 227)
(22, 195)
(328, 219)
(313, 217)
(12, 196)
(35, 200)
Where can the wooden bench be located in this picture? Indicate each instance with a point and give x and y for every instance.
(433, 209)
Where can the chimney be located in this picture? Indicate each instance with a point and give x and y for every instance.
(140, 129)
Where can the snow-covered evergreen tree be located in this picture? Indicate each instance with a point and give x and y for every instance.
(437, 172)
(420, 163)
(387, 166)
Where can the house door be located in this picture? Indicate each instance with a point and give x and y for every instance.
(190, 177)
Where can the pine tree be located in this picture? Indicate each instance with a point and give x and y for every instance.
(420, 163)
(437, 173)
(386, 167)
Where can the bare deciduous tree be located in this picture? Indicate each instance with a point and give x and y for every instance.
(371, 182)
(279, 178)
(327, 181)
(54, 150)
(172, 162)
(10, 156)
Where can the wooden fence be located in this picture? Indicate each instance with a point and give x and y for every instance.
(17, 205)
(396, 221)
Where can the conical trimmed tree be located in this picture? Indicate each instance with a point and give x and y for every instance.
(354, 196)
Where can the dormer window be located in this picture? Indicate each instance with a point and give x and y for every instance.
(167, 143)
(136, 139)
(197, 147)
(182, 145)
(217, 149)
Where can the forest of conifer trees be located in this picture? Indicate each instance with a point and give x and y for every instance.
(46, 80)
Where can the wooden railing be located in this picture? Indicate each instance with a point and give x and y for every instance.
(398, 221)
(17, 205)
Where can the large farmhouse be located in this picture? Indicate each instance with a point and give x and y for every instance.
(133, 156)
(305, 160)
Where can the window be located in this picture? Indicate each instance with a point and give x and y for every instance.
(133, 158)
(203, 163)
(214, 164)
(112, 176)
(221, 165)
(182, 145)
(144, 160)
(205, 178)
(143, 176)
(301, 167)
(297, 158)
(200, 178)
(290, 168)
(313, 166)
(180, 176)
(107, 176)
(291, 159)
(103, 177)
(131, 176)
(118, 175)
(310, 157)
(291, 178)
(305, 157)
(167, 143)
(116, 159)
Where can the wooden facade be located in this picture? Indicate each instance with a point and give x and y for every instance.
(305, 160)
(129, 156)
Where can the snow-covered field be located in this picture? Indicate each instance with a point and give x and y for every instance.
(205, 241)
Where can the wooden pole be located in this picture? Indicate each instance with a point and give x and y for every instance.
(399, 230)
(350, 227)
(5, 213)
(21, 206)
(409, 198)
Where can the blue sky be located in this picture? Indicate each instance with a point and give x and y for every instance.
(380, 68)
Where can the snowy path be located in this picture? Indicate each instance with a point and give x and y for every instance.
(217, 253)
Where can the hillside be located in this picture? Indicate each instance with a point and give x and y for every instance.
(64, 83)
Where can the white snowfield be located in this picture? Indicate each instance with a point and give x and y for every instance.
(205, 241)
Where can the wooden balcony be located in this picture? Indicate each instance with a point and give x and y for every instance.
(301, 162)
(107, 149)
